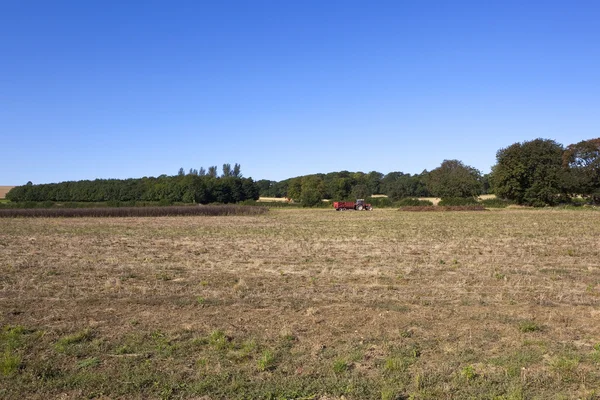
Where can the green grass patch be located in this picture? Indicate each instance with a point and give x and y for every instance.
(529, 326)
(66, 342)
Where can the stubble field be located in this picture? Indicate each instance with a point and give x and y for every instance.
(304, 304)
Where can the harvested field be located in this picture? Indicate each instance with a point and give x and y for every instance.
(4, 190)
(301, 303)
(273, 199)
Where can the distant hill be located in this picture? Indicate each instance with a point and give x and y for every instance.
(4, 190)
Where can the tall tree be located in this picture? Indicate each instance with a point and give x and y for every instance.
(374, 182)
(360, 191)
(530, 173)
(454, 179)
(313, 189)
(226, 170)
(582, 161)
(237, 170)
(294, 189)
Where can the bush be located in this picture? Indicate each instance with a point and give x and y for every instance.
(412, 202)
(578, 201)
(458, 201)
(496, 203)
(380, 202)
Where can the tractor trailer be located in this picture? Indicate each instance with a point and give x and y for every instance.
(360, 205)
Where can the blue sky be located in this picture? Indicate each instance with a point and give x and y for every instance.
(118, 89)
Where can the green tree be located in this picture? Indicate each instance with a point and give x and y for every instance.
(360, 191)
(226, 170)
(374, 182)
(582, 161)
(313, 189)
(399, 185)
(454, 179)
(530, 173)
(294, 189)
(237, 171)
(212, 171)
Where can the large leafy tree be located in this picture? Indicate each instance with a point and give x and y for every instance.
(454, 179)
(313, 189)
(582, 161)
(530, 173)
(360, 191)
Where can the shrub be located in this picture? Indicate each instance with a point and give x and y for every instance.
(457, 201)
(496, 203)
(412, 202)
(380, 202)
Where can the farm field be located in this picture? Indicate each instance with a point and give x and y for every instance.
(303, 303)
(4, 190)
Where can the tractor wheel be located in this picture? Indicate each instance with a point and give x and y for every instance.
(359, 208)
(369, 208)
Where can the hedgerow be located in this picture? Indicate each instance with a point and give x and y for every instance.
(216, 210)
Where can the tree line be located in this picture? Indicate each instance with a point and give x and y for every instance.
(536, 173)
(197, 186)
(451, 179)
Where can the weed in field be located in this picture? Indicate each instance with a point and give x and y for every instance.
(88, 362)
(164, 276)
(565, 367)
(9, 363)
(266, 362)
(162, 344)
(468, 373)
(12, 337)
(529, 326)
(201, 301)
(388, 394)
(218, 340)
(595, 355)
(407, 333)
(124, 349)
(64, 343)
(340, 366)
(395, 364)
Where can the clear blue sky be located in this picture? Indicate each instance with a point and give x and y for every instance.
(118, 89)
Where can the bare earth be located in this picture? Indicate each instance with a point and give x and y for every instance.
(303, 303)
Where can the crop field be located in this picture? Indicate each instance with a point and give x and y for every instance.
(303, 304)
(4, 190)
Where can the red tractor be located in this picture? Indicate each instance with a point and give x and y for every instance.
(349, 205)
